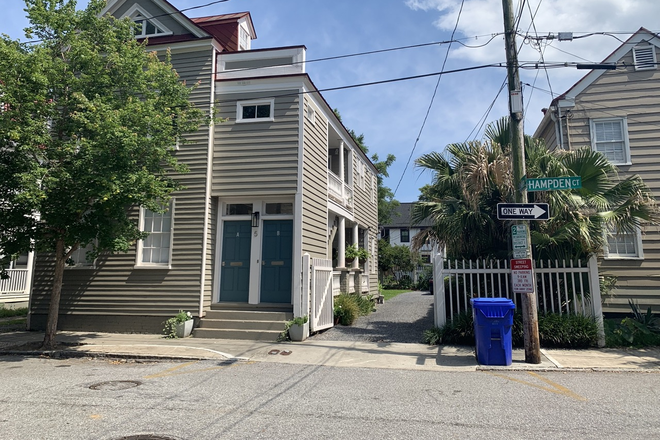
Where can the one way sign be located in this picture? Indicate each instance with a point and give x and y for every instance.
(523, 211)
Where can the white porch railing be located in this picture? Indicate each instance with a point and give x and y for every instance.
(564, 288)
(16, 283)
(339, 191)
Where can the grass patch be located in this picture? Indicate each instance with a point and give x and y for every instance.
(8, 313)
(391, 293)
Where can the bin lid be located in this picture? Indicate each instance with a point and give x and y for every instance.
(483, 303)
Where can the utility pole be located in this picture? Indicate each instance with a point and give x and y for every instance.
(528, 306)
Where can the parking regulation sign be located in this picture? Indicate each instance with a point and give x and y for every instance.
(522, 278)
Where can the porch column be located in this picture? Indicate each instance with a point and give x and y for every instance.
(356, 262)
(341, 247)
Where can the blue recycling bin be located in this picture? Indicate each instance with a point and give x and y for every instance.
(493, 319)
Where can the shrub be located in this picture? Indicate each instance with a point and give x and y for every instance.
(640, 330)
(346, 308)
(567, 331)
(557, 331)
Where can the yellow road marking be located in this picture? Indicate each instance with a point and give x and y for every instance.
(556, 388)
(173, 371)
(96, 416)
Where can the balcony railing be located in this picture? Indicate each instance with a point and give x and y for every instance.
(16, 283)
(339, 191)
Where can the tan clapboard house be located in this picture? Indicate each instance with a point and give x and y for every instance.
(279, 178)
(617, 112)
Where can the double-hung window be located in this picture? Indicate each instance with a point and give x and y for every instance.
(79, 257)
(255, 111)
(624, 244)
(405, 235)
(156, 249)
(610, 137)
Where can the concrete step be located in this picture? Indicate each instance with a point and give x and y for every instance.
(248, 315)
(252, 335)
(228, 324)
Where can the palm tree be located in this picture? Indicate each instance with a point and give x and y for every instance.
(472, 177)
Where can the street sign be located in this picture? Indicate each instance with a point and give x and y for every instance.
(554, 183)
(523, 211)
(522, 279)
(519, 241)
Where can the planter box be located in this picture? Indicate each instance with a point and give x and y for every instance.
(183, 329)
(297, 332)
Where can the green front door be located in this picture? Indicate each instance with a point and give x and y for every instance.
(276, 261)
(235, 273)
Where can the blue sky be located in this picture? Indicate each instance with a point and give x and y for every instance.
(391, 115)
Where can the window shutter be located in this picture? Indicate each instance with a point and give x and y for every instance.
(644, 57)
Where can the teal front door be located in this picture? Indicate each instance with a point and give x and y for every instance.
(276, 261)
(235, 272)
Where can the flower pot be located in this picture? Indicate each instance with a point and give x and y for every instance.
(183, 329)
(349, 261)
(297, 332)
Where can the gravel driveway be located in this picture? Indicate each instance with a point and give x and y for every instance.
(400, 319)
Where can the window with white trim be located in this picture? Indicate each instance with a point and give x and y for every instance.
(156, 248)
(405, 235)
(644, 57)
(610, 137)
(361, 176)
(244, 39)
(254, 111)
(79, 257)
(147, 26)
(623, 244)
(311, 114)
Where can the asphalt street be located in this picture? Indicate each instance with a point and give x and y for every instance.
(117, 399)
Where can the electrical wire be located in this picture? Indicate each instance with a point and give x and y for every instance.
(435, 90)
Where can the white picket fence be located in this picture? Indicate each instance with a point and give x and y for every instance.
(562, 287)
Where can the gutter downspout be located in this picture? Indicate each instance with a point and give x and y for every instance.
(207, 190)
(561, 133)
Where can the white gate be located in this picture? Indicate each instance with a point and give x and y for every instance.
(322, 314)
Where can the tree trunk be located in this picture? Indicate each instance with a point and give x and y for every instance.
(54, 308)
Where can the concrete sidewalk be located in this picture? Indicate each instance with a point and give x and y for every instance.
(328, 353)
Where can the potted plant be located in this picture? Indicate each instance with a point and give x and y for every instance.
(296, 328)
(179, 326)
(362, 255)
(351, 253)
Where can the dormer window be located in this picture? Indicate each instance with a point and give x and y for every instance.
(243, 39)
(147, 26)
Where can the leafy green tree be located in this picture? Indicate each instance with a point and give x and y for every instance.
(395, 259)
(87, 131)
(473, 177)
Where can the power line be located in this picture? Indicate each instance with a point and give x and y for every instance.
(435, 90)
(482, 121)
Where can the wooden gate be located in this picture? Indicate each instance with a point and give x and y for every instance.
(322, 315)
